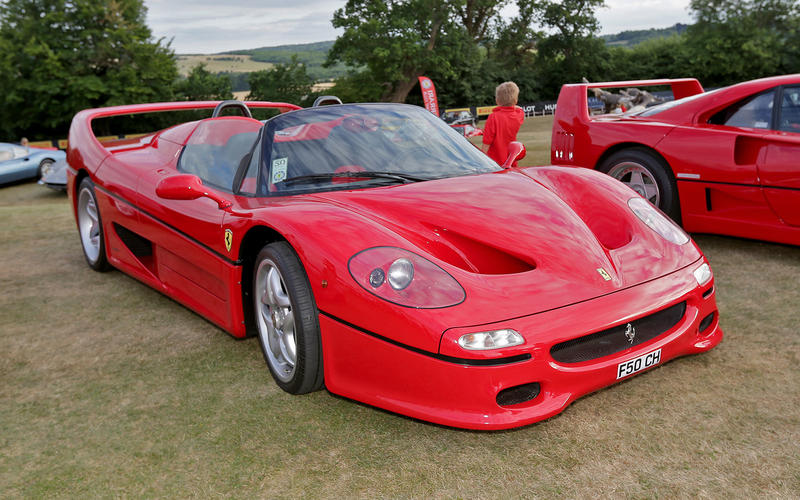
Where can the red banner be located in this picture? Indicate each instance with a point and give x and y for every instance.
(429, 95)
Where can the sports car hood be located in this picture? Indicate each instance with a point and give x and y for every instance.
(527, 240)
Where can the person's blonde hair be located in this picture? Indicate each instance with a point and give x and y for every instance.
(506, 94)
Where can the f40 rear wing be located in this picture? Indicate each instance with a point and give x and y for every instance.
(573, 101)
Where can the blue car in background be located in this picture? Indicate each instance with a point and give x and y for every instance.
(25, 162)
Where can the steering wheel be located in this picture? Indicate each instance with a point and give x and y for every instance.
(232, 104)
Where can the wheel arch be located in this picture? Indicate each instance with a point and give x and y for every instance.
(650, 150)
(252, 243)
(76, 186)
(631, 145)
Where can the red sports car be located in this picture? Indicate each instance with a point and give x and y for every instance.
(374, 250)
(725, 161)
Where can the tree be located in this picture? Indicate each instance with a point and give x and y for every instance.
(465, 45)
(66, 55)
(396, 40)
(571, 50)
(735, 40)
(202, 85)
(654, 58)
(283, 83)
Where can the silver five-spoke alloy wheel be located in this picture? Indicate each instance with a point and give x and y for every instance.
(276, 322)
(638, 178)
(89, 224)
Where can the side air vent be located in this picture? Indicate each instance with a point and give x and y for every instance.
(139, 246)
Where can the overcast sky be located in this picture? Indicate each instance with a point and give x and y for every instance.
(209, 26)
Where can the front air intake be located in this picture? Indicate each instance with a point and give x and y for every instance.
(518, 394)
(618, 338)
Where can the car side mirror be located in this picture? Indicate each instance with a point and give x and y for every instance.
(516, 151)
(187, 187)
(180, 187)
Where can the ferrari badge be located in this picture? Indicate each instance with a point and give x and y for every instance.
(228, 239)
(604, 274)
(630, 333)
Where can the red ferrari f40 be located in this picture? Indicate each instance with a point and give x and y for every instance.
(725, 161)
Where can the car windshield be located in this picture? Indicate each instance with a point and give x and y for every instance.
(354, 146)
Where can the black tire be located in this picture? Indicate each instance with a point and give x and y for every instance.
(90, 227)
(44, 166)
(656, 173)
(294, 357)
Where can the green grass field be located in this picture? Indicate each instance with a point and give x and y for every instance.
(110, 389)
(215, 63)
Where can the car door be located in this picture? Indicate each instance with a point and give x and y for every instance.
(16, 164)
(719, 159)
(191, 254)
(780, 169)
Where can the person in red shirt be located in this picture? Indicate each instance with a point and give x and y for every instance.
(503, 124)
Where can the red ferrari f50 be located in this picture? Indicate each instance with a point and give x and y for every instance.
(725, 161)
(374, 250)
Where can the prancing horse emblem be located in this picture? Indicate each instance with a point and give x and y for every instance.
(604, 274)
(228, 239)
(630, 333)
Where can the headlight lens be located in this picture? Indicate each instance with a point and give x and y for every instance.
(703, 274)
(401, 272)
(495, 339)
(657, 221)
(405, 278)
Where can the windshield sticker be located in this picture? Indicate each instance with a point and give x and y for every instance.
(279, 169)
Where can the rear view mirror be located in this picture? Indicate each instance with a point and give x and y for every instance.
(516, 151)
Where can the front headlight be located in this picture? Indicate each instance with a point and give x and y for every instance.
(495, 339)
(657, 221)
(405, 278)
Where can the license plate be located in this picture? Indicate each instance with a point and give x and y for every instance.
(636, 365)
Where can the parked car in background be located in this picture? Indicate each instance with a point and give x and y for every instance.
(467, 130)
(725, 161)
(25, 162)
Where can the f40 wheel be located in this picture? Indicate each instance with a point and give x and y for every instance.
(648, 174)
(287, 319)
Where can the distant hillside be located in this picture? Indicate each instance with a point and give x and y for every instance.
(313, 55)
(220, 63)
(634, 37)
(238, 62)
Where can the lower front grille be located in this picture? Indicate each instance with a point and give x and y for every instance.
(618, 338)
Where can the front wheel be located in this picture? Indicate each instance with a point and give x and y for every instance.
(90, 227)
(648, 174)
(45, 167)
(287, 319)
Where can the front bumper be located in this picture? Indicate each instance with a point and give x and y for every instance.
(439, 388)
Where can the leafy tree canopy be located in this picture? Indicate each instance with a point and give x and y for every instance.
(461, 43)
(283, 83)
(202, 85)
(735, 40)
(62, 56)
